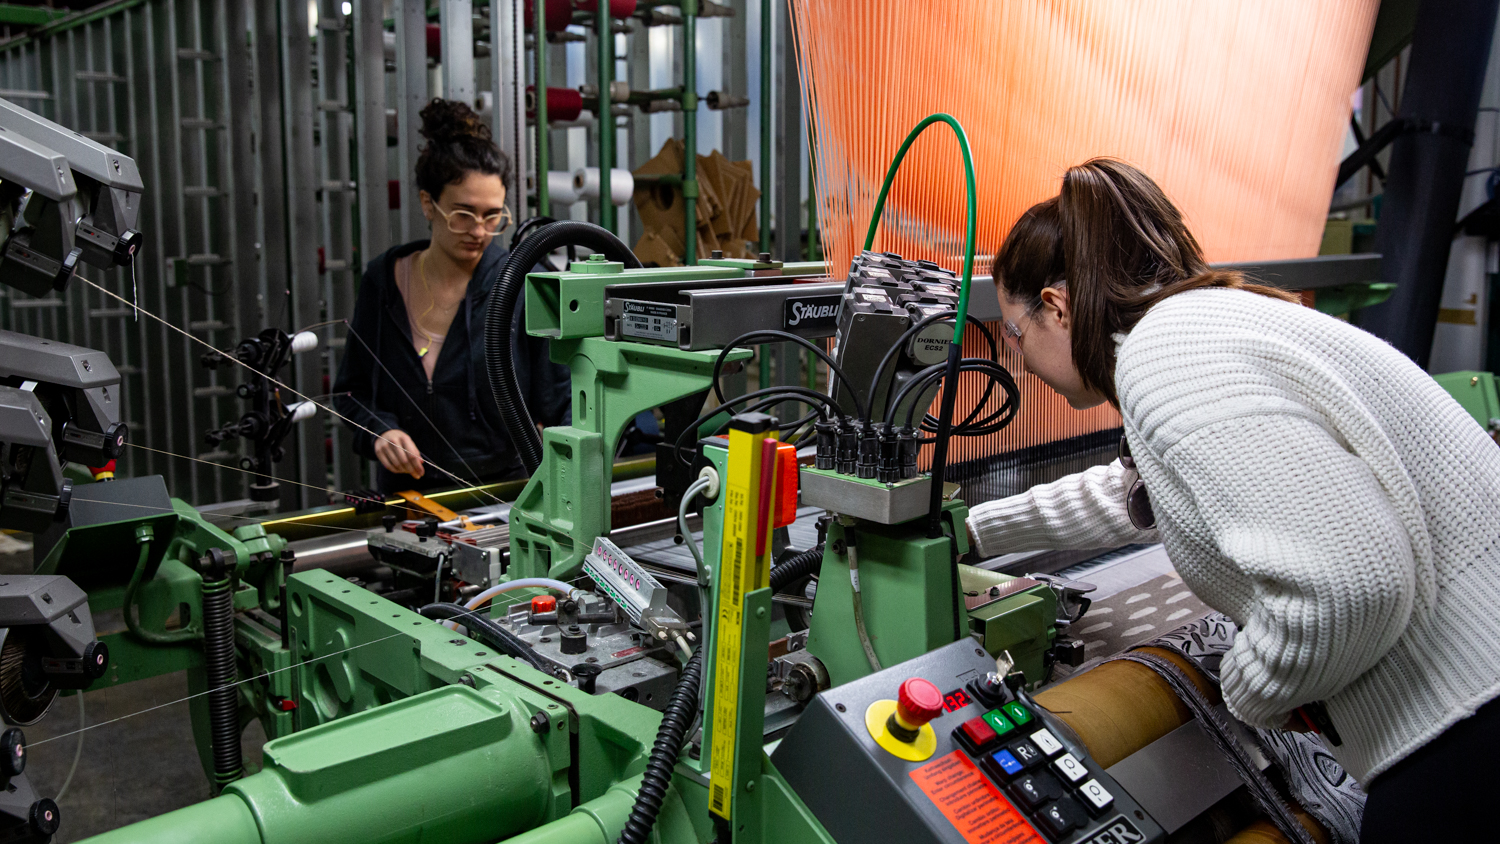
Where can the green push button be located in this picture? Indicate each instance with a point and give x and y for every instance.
(1018, 713)
(997, 721)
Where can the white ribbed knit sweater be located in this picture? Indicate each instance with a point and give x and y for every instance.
(1315, 485)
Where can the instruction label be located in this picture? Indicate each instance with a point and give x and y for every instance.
(972, 803)
(648, 321)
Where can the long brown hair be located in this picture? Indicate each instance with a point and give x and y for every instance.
(1121, 246)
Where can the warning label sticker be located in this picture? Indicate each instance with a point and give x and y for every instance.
(649, 321)
(972, 803)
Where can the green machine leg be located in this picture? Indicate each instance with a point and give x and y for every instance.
(906, 592)
(554, 521)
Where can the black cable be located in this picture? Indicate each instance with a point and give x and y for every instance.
(804, 395)
(679, 715)
(998, 419)
(911, 332)
(925, 377)
(669, 738)
(491, 633)
(992, 422)
(499, 319)
(790, 338)
(989, 385)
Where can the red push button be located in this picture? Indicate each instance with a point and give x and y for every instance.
(543, 603)
(918, 702)
(975, 735)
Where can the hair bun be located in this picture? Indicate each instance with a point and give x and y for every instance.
(447, 121)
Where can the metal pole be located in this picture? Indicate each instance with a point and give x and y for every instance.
(812, 200)
(765, 125)
(370, 134)
(1449, 51)
(456, 18)
(302, 215)
(605, 118)
(690, 129)
(238, 118)
(543, 158)
(508, 64)
(788, 145)
(411, 96)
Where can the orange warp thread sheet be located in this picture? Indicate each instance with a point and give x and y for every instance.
(1238, 110)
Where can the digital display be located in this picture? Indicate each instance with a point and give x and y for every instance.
(955, 700)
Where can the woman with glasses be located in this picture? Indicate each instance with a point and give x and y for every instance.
(1307, 479)
(413, 368)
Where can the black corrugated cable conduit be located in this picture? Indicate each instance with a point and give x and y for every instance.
(802, 565)
(500, 316)
(489, 632)
(669, 737)
(679, 716)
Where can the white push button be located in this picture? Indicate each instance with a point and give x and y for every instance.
(1047, 742)
(1071, 769)
(1093, 792)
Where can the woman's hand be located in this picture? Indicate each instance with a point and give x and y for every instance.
(397, 453)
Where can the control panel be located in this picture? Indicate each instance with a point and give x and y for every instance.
(939, 749)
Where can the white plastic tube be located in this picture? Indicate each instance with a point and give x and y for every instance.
(511, 585)
(523, 583)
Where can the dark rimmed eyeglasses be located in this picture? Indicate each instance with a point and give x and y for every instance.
(1137, 502)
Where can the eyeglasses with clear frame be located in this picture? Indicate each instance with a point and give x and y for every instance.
(463, 222)
(1012, 334)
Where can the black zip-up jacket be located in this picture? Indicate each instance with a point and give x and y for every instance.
(458, 401)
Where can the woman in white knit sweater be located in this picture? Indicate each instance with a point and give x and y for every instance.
(1307, 479)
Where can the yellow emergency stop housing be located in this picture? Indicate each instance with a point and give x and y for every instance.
(919, 749)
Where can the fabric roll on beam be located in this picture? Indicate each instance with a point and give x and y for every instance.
(1120, 707)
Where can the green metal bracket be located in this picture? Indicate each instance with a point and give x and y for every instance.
(1023, 624)
(907, 592)
(570, 305)
(557, 517)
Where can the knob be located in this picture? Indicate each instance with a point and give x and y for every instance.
(428, 527)
(918, 702)
(543, 604)
(388, 521)
(587, 675)
(95, 659)
(45, 818)
(12, 752)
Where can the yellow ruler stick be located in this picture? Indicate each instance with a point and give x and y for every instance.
(743, 568)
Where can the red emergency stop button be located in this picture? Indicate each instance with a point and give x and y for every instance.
(543, 603)
(918, 702)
